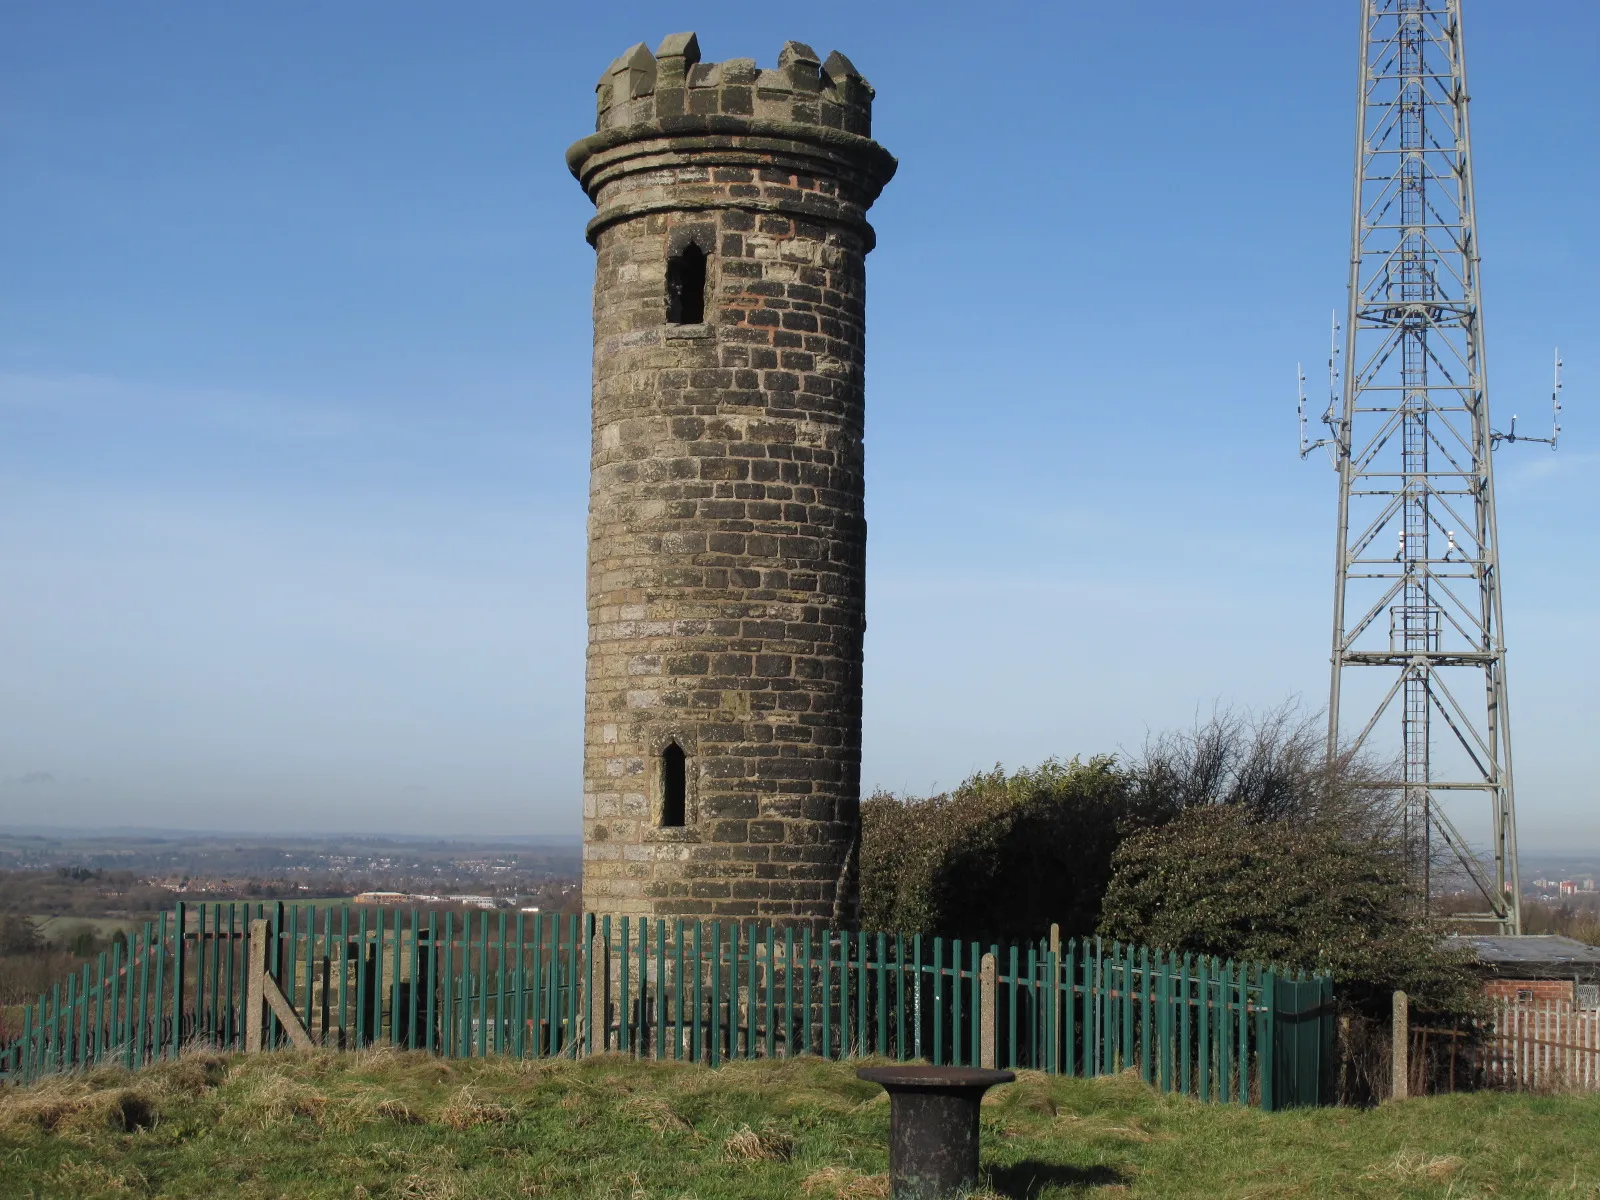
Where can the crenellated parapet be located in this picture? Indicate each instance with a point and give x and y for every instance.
(640, 87)
(663, 117)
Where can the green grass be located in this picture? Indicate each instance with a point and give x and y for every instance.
(381, 1125)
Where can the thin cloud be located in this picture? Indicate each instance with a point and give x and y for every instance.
(216, 408)
(1559, 465)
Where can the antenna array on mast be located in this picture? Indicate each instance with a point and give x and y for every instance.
(1329, 414)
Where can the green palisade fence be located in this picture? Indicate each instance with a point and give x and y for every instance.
(543, 985)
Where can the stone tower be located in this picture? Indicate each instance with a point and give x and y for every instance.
(722, 732)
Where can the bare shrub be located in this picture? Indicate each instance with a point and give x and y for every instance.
(1273, 765)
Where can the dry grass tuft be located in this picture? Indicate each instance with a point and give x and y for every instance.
(1412, 1166)
(657, 1113)
(361, 1103)
(624, 1187)
(91, 1178)
(559, 1179)
(430, 1185)
(397, 1111)
(750, 1145)
(195, 1073)
(270, 1098)
(842, 1183)
(393, 1160)
(1132, 1130)
(67, 1104)
(1030, 1093)
(466, 1111)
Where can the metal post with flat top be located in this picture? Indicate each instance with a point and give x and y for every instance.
(933, 1127)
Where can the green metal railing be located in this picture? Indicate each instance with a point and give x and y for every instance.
(539, 985)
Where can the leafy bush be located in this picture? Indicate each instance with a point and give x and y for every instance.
(1236, 838)
(1002, 856)
(1221, 880)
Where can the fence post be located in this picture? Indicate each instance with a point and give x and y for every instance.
(988, 1051)
(1267, 1041)
(255, 1007)
(1401, 1051)
(180, 917)
(597, 975)
(1053, 999)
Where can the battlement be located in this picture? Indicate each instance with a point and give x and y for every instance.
(641, 87)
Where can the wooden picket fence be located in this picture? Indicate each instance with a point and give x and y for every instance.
(242, 977)
(1543, 1044)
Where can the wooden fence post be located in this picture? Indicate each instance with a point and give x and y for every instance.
(1401, 1052)
(1054, 999)
(1343, 1050)
(988, 1033)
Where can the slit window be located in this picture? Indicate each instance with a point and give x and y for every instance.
(673, 784)
(686, 289)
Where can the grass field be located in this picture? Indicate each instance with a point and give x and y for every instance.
(103, 927)
(379, 1125)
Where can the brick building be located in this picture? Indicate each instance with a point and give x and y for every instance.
(1536, 967)
(726, 590)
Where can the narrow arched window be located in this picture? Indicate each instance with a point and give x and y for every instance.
(673, 784)
(686, 288)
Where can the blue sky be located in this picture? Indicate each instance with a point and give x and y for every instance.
(294, 360)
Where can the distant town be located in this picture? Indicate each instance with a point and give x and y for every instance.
(1554, 889)
(57, 877)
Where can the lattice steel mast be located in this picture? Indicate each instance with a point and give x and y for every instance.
(1417, 541)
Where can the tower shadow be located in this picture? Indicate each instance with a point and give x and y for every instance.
(1030, 1177)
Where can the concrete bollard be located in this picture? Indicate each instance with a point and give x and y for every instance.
(988, 1014)
(1401, 1046)
(933, 1127)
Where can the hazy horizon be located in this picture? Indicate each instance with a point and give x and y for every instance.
(1528, 854)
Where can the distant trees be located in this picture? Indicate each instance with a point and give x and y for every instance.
(1581, 921)
(30, 962)
(79, 892)
(18, 934)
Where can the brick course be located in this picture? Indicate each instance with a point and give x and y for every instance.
(726, 586)
(1561, 991)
